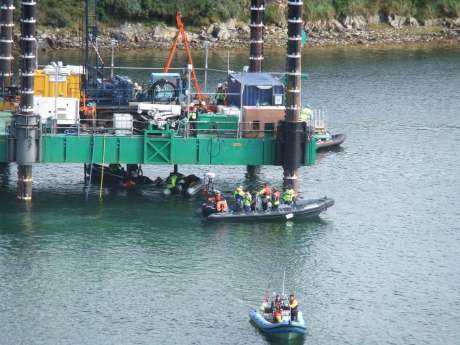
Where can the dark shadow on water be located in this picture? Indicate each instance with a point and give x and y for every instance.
(253, 182)
(4, 175)
(323, 153)
(331, 149)
(273, 340)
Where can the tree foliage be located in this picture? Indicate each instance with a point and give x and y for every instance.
(68, 13)
(194, 11)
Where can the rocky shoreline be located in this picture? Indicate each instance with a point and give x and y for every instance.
(233, 34)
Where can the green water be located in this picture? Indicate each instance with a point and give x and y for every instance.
(380, 267)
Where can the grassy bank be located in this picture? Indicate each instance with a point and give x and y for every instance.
(421, 9)
(68, 13)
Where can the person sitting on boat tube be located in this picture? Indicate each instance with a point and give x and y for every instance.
(173, 180)
(276, 197)
(220, 204)
(247, 202)
(239, 196)
(277, 315)
(266, 195)
(288, 196)
(293, 304)
(276, 303)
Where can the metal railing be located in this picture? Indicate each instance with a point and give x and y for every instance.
(318, 118)
(180, 128)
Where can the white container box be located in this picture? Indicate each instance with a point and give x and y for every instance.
(123, 124)
(65, 111)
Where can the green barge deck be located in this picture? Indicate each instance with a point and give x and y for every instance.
(216, 140)
(163, 150)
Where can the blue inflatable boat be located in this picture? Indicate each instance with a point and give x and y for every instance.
(285, 328)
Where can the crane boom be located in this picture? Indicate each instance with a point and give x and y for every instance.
(182, 36)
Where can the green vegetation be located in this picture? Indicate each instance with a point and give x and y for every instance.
(195, 12)
(273, 13)
(319, 9)
(68, 13)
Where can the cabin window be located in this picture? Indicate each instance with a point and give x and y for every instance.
(278, 99)
(256, 125)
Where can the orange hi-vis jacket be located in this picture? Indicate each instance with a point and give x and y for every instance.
(221, 205)
(266, 191)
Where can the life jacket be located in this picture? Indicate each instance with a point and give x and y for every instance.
(288, 196)
(305, 114)
(247, 199)
(238, 194)
(221, 205)
(266, 191)
(215, 198)
(293, 305)
(276, 198)
(277, 316)
(172, 182)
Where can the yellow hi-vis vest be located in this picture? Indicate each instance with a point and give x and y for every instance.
(306, 114)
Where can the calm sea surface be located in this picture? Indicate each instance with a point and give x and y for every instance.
(380, 267)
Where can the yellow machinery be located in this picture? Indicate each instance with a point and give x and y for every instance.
(68, 86)
(66, 83)
(8, 106)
